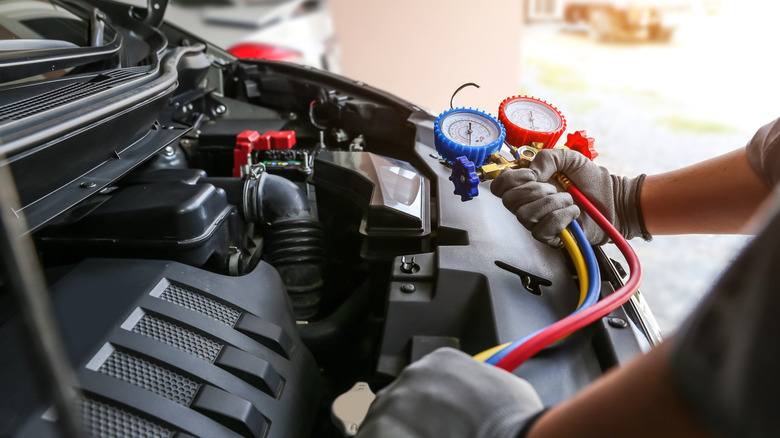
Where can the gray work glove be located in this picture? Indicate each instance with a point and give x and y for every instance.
(545, 211)
(449, 394)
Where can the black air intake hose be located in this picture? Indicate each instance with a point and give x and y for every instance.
(269, 199)
(293, 242)
(296, 249)
(333, 330)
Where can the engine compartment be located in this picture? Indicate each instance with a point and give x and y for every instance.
(229, 256)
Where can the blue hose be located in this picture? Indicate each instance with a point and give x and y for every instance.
(594, 288)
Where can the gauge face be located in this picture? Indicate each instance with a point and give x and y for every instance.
(469, 129)
(532, 115)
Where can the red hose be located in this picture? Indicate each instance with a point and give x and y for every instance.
(591, 314)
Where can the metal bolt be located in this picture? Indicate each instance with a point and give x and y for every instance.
(169, 151)
(221, 109)
(408, 288)
(617, 322)
(409, 267)
(305, 164)
(87, 185)
(293, 116)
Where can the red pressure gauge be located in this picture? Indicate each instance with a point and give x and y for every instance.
(528, 120)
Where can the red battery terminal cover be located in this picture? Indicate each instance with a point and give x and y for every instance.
(276, 140)
(580, 142)
(242, 154)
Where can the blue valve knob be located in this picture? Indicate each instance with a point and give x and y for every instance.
(467, 132)
(464, 177)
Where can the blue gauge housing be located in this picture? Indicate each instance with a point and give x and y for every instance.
(450, 150)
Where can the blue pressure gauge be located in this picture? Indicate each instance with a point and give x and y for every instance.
(466, 132)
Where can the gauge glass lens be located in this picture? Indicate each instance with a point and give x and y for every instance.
(469, 129)
(532, 115)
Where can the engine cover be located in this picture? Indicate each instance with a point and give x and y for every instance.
(165, 349)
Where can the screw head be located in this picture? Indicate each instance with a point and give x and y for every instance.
(87, 185)
(617, 322)
(408, 288)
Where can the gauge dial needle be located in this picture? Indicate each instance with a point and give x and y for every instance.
(469, 132)
(531, 115)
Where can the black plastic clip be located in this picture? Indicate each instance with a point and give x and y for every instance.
(532, 283)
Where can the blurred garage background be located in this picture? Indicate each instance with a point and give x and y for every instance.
(659, 84)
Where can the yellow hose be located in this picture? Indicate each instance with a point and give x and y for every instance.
(579, 263)
(582, 272)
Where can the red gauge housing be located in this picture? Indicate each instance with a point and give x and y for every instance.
(518, 136)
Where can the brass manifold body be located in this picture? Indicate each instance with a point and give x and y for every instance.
(497, 163)
(524, 155)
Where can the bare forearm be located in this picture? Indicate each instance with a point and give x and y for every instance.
(638, 400)
(716, 196)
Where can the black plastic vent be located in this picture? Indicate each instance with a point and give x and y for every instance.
(178, 337)
(69, 93)
(105, 421)
(152, 377)
(199, 303)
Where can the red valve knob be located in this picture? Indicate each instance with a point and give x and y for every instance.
(580, 142)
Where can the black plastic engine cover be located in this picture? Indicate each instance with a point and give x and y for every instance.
(164, 349)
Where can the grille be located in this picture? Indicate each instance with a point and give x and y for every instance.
(150, 376)
(199, 303)
(69, 93)
(178, 337)
(105, 421)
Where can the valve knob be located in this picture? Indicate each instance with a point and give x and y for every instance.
(580, 142)
(464, 178)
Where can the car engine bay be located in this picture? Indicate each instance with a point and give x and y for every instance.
(229, 245)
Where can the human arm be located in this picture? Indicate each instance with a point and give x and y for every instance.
(434, 398)
(638, 400)
(716, 196)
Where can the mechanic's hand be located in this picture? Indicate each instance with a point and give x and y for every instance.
(449, 394)
(545, 212)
